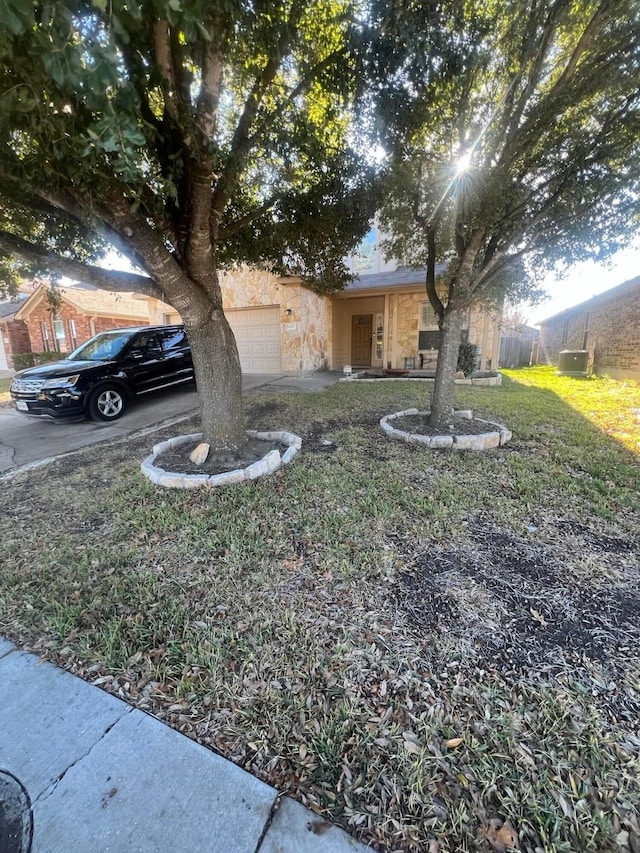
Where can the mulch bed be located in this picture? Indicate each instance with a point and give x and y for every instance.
(419, 425)
(177, 458)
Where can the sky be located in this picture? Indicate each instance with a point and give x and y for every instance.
(584, 281)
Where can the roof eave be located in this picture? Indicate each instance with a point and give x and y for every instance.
(612, 293)
(378, 290)
(30, 303)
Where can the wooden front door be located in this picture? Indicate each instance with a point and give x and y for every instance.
(361, 340)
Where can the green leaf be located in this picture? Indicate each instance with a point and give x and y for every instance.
(56, 66)
(120, 28)
(16, 16)
(204, 32)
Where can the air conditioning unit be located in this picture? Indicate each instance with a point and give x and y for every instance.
(573, 363)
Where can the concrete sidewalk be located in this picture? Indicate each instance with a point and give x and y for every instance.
(304, 382)
(103, 776)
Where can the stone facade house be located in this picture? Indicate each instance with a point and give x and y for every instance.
(382, 319)
(607, 326)
(82, 313)
(404, 331)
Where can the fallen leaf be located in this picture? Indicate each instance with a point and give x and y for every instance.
(501, 837)
(318, 827)
(453, 742)
(538, 617)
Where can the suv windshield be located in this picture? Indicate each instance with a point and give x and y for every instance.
(104, 347)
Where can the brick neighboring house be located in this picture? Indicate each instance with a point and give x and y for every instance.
(84, 312)
(14, 334)
(607, 326)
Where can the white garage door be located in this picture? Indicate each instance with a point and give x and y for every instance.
(257, 332)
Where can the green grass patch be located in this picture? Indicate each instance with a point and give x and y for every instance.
(423, 646)
(5, 384)
(612, 406)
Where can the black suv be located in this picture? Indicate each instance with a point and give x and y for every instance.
(103, 375)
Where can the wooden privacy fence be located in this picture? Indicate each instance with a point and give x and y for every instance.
(518, 352)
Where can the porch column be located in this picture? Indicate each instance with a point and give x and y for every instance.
(394, 332)
(385, 336)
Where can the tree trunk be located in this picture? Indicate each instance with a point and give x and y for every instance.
(443, 390)
(219, 380)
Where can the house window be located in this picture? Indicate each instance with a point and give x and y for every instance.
(46, 337)
(58, 331)
(364, 258)
(73, 334)
(429, 331)
(428, 317)
(429, 339)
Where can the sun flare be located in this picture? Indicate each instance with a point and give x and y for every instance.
(463, 163)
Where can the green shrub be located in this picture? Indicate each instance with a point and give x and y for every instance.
(31, 359)
(467, 358)
(24, 359)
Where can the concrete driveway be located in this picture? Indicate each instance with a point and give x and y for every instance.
(25, 441)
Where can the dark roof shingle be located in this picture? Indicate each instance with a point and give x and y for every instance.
(9, 308)
(395, 278)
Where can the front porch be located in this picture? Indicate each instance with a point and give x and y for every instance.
(396, 330)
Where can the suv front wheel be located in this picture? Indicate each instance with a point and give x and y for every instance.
(106, 403)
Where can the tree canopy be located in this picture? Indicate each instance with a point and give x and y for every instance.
(189, 135)
(239, 108)
(515, 130)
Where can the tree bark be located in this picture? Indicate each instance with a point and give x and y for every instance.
(444, 388)
(193, 289)
(219, 380)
